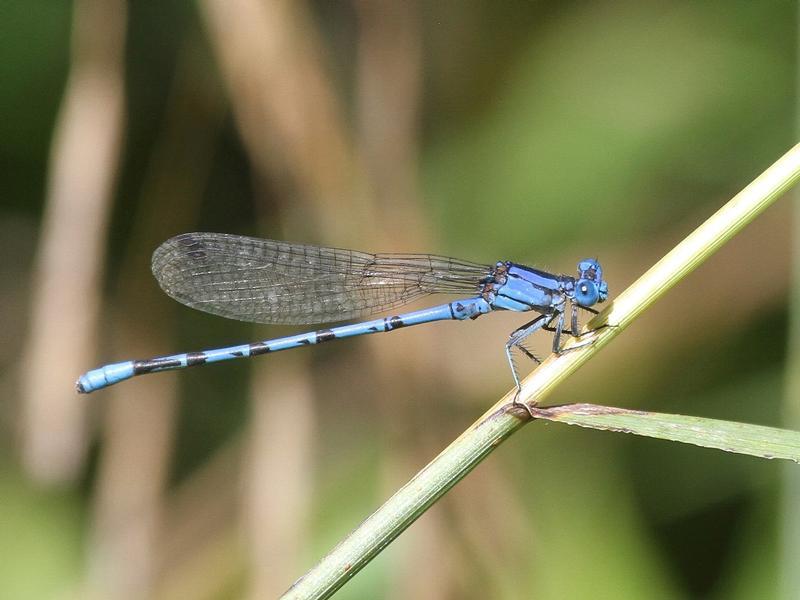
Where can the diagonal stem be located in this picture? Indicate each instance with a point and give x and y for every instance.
(504, 418)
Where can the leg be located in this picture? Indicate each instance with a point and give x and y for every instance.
(574, 328)
(574, 320)
(573, 331)
(559, 328)
(515, 341)
(579, 335)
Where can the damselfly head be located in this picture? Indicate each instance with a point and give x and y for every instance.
(590, 288)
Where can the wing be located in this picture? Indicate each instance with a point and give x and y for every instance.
(266, 281)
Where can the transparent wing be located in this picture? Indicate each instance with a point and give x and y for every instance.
(266, 281)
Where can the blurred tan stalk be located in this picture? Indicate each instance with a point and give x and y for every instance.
(389, 94)
(287, 111)
(790, 516)
(291, 121)
(125, 550)
(201, 546)
(790, 494)
(69, 263)
(278, 482)
(292, 126)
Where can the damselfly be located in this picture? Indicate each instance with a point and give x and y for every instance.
(266, 281)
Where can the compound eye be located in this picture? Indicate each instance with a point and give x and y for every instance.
(586, 293)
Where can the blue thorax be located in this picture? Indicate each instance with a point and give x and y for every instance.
(520, 288)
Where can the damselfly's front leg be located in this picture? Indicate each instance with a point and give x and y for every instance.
(574, 332)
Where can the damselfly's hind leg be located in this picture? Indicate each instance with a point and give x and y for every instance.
(516, 340)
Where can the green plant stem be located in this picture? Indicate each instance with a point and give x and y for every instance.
(504, 418)
(407, 504)
(679, 262)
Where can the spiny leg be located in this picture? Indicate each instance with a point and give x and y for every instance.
(574, 320)
(579, 334)
(515, 341)
(574, 327)
(559, 328)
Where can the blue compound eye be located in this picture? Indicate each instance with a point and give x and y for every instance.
(586, 292)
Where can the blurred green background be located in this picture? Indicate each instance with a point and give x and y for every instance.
(528, 131)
